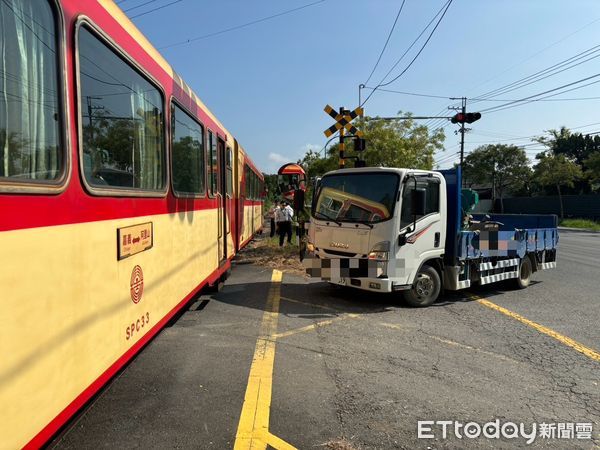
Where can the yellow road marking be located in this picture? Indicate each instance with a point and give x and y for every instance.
(391, 325)
(468, 347)
(315, 325)
(450, 342)
(278, 443)
(590, 353)
(253, 428)
(287, 299)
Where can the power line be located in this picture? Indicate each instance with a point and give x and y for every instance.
(537, 135)
(155, 9)
(538, 52)
(543, 74)
(422, 48)
(541, 100)
(447, 158)
(414, 42)
(139, 6)
(531, 98)
(381, 83)
(386, 42)
(237, 27)
(410, 93)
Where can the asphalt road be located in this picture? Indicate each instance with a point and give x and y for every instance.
(340, 368)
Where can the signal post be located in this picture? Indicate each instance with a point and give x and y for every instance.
(342, 124)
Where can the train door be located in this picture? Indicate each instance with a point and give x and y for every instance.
(237, 196)
(229, 202)
(222, 200)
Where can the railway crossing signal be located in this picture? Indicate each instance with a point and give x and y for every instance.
(342, 121)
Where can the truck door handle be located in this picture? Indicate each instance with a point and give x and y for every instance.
(436, 240)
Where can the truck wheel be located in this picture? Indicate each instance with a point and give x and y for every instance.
(425, 289)
(524, 278)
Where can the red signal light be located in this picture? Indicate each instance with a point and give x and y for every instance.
(465, 118)
(458, 118)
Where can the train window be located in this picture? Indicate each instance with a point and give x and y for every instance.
(31, 149)
(248, 181)
(228, 164)
(188, 164)
(251, 184)
(255, 185)
(121, 121)
(212, 164)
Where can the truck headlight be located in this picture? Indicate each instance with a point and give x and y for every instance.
(380, 251)
(380, 256)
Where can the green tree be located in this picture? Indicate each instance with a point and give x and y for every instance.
(501, 166)
(592, 172)
(271, 187)
(393, 143)
(576, 147)
(556, 170)
(318, 165)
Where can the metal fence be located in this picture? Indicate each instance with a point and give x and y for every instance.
(579, 206)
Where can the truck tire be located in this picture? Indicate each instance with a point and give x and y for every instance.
(425, 289)
(525, 271)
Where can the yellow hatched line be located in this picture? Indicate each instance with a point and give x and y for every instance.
(253, 428)
(315, 325)
(590, 353)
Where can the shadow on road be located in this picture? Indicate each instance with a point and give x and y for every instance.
(316, 299)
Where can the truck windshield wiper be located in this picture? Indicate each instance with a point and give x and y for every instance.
(363, 222)
(325, 216)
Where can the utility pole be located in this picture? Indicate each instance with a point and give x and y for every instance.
(342, 147)
(91, 108)
(462, 130)
(360, 88)
(90, 112)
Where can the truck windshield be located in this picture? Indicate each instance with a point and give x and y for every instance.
(357, 197)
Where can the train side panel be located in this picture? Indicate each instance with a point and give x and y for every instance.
(75, 305)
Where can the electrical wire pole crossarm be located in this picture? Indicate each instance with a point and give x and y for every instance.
(407, 117)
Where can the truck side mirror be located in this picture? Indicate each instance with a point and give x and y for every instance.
(418, 202)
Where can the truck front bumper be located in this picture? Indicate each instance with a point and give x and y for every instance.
(361, 273)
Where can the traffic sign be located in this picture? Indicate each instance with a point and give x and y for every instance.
(343, 121)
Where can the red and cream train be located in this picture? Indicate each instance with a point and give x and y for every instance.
(121, 196)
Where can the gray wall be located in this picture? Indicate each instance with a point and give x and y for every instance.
(580, 206)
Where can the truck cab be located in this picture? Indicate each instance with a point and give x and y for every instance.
(366, 230)
(392, 229)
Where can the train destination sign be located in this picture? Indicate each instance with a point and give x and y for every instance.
(134, 239)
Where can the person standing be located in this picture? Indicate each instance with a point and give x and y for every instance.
(271, 216)
(285, 226)
(279, 222)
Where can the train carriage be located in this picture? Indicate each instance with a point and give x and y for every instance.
(121, 197)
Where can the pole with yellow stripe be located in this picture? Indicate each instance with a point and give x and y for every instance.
(342, 146)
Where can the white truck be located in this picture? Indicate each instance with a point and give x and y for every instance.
(389, 229)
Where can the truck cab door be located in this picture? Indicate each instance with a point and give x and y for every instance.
(422, 235)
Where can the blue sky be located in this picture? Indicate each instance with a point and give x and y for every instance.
(268, 82)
